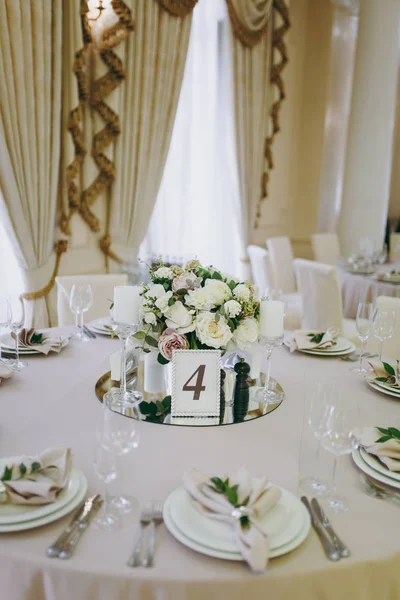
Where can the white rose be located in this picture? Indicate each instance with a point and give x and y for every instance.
(150, 318)
(164, 273)
(219, 289)
(247, 333)
(215, 334)
(200, 299)
(178, 317)
(232, 308)
(242, 292)
(156, 290)
(162, 302)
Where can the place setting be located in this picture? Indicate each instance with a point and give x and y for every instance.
(319, 343)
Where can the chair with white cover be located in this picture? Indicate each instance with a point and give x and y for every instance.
(103, 294)
(391, 347)
(260, 267)
(319, 287)
(326, 248)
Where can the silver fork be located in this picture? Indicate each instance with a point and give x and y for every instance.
(157, 519)
(135, 559)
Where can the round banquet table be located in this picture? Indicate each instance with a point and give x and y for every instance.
(52, 403)
(358, 288)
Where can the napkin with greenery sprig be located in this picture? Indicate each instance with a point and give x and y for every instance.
(29, 338)
(384, 372)
(35, 480)
(384, 442)
(240, 501)
(313, 340)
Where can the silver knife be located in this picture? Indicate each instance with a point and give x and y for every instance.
(327, 545)
(83, 523)
(340, 546)
(84, 507)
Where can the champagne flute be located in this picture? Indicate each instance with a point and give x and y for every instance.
(5, 321)
(363, 326)
(105, 469)
(383, 326)
(80, 300)
(16, 326)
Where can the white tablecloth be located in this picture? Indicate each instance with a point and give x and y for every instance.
(365, 288)
(52, 402)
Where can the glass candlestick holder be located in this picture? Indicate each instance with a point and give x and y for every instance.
(122, 396)
(269, 394)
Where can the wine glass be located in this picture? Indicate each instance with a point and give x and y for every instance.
(383, 326)
(5, 321)
(80, 300)
(363, 326)
(119, 435)
(341, 434)
(16, 326)
(105, 469)
(319, 411)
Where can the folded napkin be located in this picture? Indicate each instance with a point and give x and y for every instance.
(5, 371)
(388, 451)
(29, 338)
(386, 373)
(313, 340)
(248, 501)
(35, 480)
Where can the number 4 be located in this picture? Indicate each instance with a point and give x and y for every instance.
(198, 387)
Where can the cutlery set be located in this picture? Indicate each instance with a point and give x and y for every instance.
(89, 332)
(153, 517)
(333, 546)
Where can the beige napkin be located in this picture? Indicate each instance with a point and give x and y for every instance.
(47, 345)
(5, 372)
(252, 542)
(387, 452)
(301, 340)
(379, 371)
(44, 478)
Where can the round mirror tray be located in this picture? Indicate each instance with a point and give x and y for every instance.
(156, 409)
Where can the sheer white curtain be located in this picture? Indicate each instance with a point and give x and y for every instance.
(197, 212)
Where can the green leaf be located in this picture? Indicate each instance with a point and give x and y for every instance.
(216, 275)
(35, 467)
(144, 408)
(160, 406)
(181, 292)
(7, 475)
(217, 317)
(388, 368)
(152, 408)
(381, 378)
(383, 439)
(22, 469)
(382, 430)
(151, 341)
(232, 285)
(167, 402)
(219, 484)
(171, 301)
(36, 338)
(231, 494)
(161, 360)
(140, 335)
(167, 285)
(395, 432)
(245, 522)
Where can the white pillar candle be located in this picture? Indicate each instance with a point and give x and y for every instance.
(271, 318)
(115, 364)
(127, 303)
(154, 381)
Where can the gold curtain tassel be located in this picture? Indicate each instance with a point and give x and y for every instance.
(59, 248)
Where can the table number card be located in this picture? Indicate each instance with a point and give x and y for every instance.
(196, 383)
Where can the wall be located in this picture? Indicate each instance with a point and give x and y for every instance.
(292, 206)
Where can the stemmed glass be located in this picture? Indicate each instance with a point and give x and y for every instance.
(363, 326)
(5, 321)
(105, 469)
(341, 434)
(16, 326)
(118, 435)
(320, 409)
(80, 300)
(383, 326)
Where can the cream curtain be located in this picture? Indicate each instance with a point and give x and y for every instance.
(154, 58)
(30, 128)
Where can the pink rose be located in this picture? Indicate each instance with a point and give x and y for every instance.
(183, 282)
(171, 340)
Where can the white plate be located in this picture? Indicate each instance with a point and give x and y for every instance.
(54, 516)
(375, 463)
(371, 378)
(383, 390)
(283, 522)
(18, 513)
(173, 529)
(343, 346)
(371, 472)
(98, 326)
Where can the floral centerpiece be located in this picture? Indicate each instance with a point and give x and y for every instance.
(196, 307)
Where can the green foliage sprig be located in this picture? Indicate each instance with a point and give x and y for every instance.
(391, 433)
(231, 494)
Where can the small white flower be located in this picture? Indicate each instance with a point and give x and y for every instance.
(200, 299)
(178, 317)
(150, 318)
(162, 302)
(215, 334)
(232, 308)
(219, 289)
(164, 273)
(247, 333)
(242, 292)
(156, 290)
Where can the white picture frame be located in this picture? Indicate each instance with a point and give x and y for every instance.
(195, 370)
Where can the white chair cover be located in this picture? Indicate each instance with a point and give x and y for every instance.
(326, 248)
(391, 348)
(260, 267)
(103, 294)
(281, 258)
